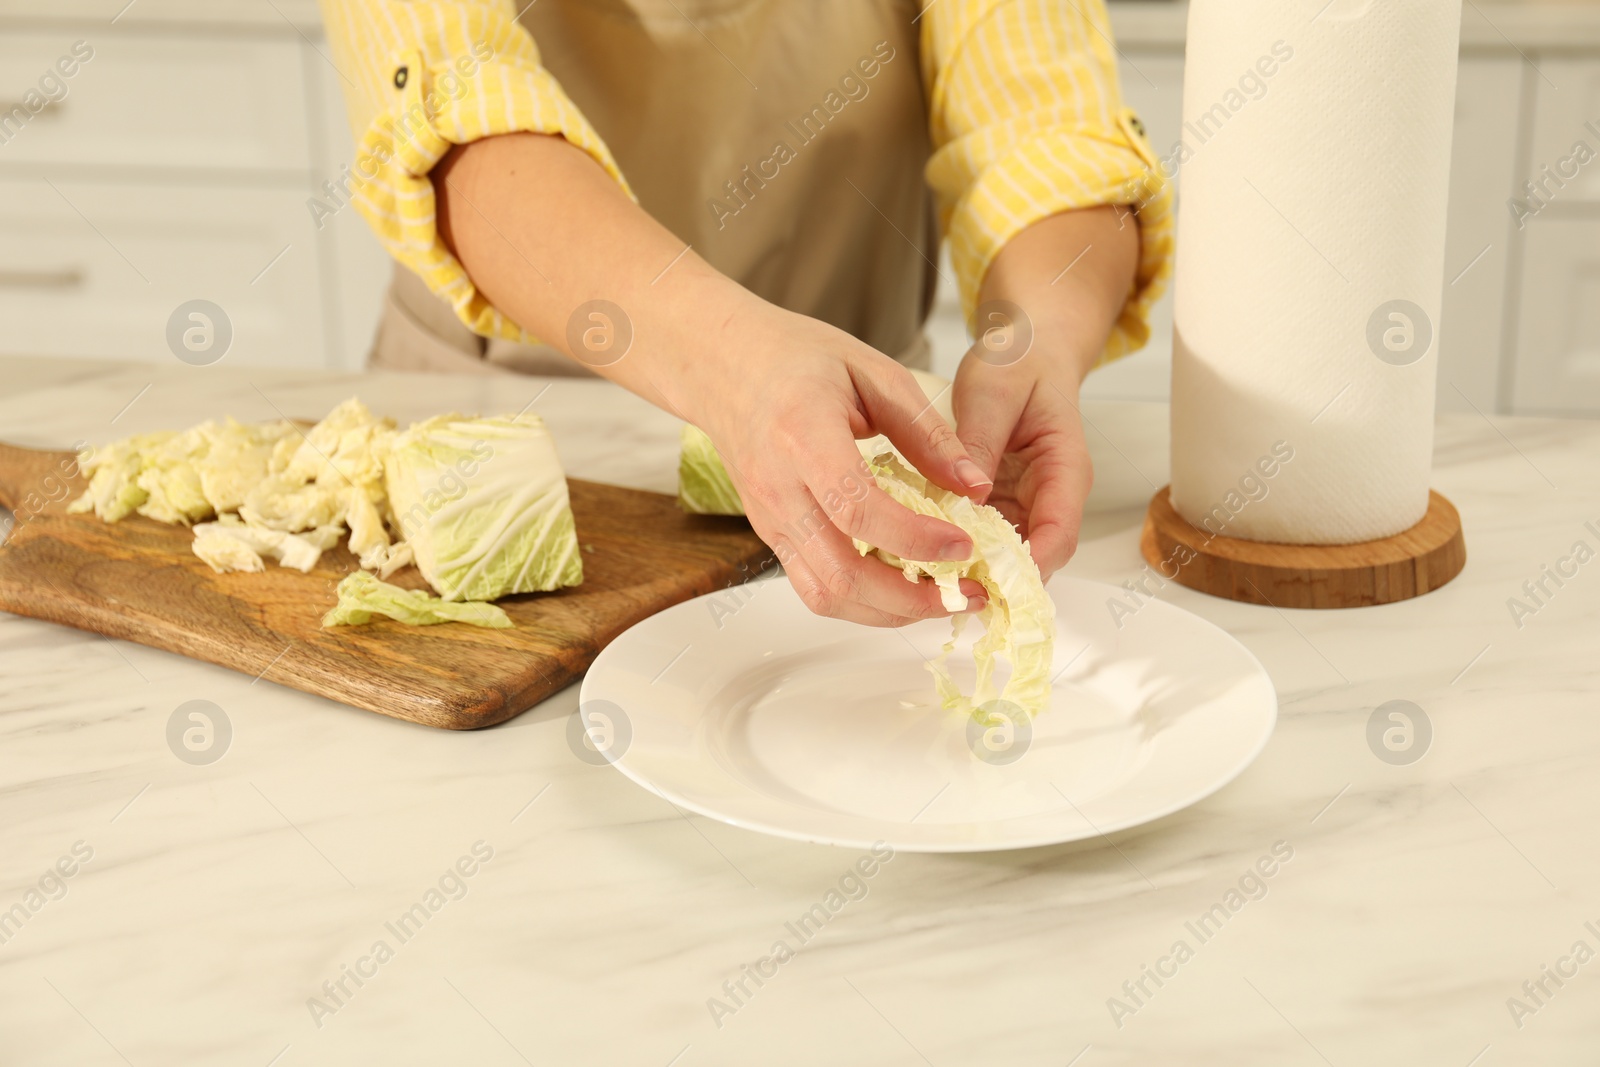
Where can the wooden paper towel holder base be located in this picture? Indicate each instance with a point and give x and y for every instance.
(1406, 565)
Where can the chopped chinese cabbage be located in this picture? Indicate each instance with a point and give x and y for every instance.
(346, 448)
(368, 539)
(385, 561)
(331, 473)
(178, 477)
(282, 502)
(236, 458)
(113, 471)
(224, 553)
(224, 545)
(171, 483)
(361, 596)
(483, 505)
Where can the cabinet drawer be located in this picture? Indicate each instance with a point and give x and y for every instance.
(1560, 121)
(211, 102)
(104, 283)
(357, 269)
(1558, 339)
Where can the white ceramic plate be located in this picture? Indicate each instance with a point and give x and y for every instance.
(745, 707)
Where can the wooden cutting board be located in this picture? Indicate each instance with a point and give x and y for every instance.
(139, 580)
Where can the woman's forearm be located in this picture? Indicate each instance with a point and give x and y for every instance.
(542, 230)
(1070, 274)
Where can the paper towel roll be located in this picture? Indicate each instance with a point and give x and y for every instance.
(1311, 228)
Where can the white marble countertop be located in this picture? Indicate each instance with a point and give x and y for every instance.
(218, 899)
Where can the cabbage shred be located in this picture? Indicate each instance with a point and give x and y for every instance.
(361, 596)
(1019, 619)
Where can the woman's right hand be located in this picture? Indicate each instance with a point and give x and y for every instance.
(785, 403)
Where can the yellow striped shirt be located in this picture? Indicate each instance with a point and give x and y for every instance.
(1024, 111)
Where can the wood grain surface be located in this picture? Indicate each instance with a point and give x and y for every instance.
(138, 580)
(1409, 564)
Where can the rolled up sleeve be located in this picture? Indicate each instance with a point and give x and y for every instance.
(1027, 121)
(418, 77)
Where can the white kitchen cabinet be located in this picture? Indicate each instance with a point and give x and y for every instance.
(1567, 92)
(356, 268)
(218, 102)
(95, 269)
(1478, 239)
(1553, 366)
(188, 148)
(1558, 339)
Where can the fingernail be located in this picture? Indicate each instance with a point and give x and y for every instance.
(972, 475)
(977, 603)
(956, 551)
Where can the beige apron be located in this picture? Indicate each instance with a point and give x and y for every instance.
(784, 139)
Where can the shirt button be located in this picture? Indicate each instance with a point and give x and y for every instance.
(1133, 120)
(400, 77)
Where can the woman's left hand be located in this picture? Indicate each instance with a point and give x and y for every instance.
(1044, 312)
(1020, 423)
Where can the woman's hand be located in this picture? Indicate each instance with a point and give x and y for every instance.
(1021, 422)
(784, 404)
(1045, 310)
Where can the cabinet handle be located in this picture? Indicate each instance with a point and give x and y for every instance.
(51, 109)
(65, 278)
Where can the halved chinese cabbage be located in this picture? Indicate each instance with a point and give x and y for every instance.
(704, 487)
(483, 504)
(361, 596)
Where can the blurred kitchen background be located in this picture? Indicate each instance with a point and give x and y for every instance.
(180, 160)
